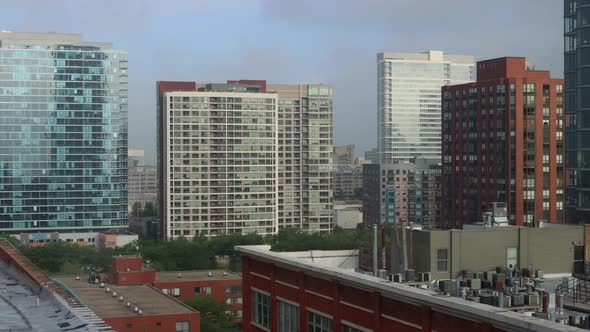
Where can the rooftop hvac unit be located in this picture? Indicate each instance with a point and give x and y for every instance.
(382, 274)
(531, 299)
(397, 277)
(410, 275)
(518, 300)
(424, 276)
(507, 301)
(447, 286)
(474, 284)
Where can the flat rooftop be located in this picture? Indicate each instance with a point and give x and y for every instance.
(19, 310)
(503, 317)
(150, 300)
(172, 276)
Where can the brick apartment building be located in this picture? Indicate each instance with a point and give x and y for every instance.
(502, 141)
(284, 293)
(223, 286)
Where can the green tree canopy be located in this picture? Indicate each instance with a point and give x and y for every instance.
(215, 316)
(149, 210)
(136, 209)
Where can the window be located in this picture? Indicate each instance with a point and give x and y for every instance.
(318, 323)
(129, 325)
(233, 290)
(176, 291)
(442, 260)
(202, 290)
(183, 326)
(158, 323)
(288, 317)
(261, 309)
(511, 257)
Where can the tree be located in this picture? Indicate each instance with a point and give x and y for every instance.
(136, 209)
(215, 316)
(294, 239)
(149, 210)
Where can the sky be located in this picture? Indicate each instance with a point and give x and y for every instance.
(293, 41)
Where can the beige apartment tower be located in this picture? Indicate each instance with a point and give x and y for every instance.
(244, 157)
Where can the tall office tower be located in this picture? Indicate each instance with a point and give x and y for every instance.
(577, 110)
(408, 101)
(63, 134)
(503, 142)
(297, 177)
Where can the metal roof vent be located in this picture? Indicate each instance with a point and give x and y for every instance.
(209, 274)
(179, 275)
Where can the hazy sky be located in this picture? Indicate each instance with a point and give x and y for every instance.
(328, 41)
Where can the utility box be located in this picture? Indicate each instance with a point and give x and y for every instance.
(474, 284)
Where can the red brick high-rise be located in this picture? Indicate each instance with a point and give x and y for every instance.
(502, 141)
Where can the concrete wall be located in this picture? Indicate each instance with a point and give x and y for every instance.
(438, 240)
(477, 250)
(552, 249)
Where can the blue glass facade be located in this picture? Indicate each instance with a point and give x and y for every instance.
(63, 134)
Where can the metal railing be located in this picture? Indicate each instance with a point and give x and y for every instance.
(575, 293)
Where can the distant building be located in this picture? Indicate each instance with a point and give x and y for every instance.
(348, 182)
(244, 157)
(143, 185)
(503, 142)
(344, 155)
(63, 134)
(372, 156)
(136, 157)
(348, 216)
(223, 286)
(114, 239)
(403, 192)
(408, 102)
(117, 304)
(283, 292)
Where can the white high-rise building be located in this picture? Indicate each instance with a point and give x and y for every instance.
(244, 157)
(409, 101)
(221, 163)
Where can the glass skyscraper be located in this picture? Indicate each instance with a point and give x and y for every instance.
(409, 101)
(577, 110)
(63, 134)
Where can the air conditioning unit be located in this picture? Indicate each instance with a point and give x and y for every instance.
(382, 274)
(410, 275)
(531, 299)
(518, 300)
(397, 277)
(447, 286)
(474, 283)
(424, 276)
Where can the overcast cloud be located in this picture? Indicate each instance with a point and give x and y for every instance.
(328, 41)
